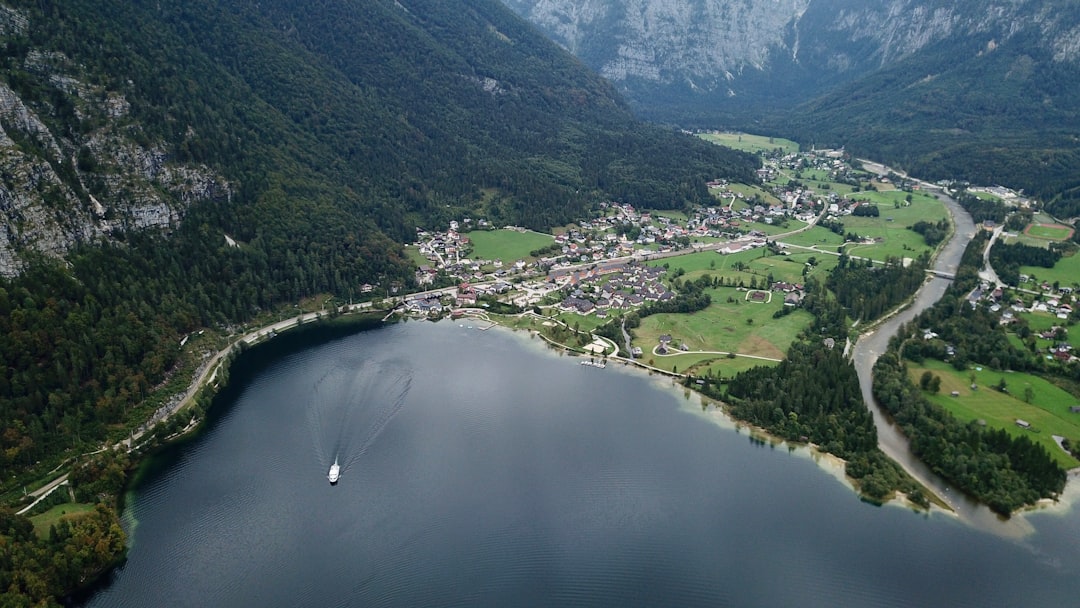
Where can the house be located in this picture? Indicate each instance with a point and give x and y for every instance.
(1075, 409)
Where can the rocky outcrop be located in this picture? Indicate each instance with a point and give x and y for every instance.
(62, 187)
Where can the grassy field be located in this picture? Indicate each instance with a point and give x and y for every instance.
(816, 237)
(671, 214)
(1048, 411)
(1066, 271)
(1049, 232)
(414, 254)
(506, 245)
(53, 516)
(783, 267)
(985, 196)
(736, 326)
(748, 192)
(750, 143)
(891, 225)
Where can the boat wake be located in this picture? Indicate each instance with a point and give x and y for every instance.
(352, 404)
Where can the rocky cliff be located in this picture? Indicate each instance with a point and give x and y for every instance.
(59, 185)
(782, 50)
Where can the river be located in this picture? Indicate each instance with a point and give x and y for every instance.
(872, 344)
(484, 469)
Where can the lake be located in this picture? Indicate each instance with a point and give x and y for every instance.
(480, 468)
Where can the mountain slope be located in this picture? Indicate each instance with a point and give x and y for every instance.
(173, 165)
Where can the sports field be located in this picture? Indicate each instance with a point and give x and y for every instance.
(1049, 232)
(506, 245)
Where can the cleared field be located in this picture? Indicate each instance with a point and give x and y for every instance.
(1050, 232)
(1066, 272)
(68, 510)
(1048, 410)
(750, 143)
(506, 245)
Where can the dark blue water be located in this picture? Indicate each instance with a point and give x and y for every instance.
(484, 470)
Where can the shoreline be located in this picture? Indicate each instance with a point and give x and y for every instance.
(1017, 526)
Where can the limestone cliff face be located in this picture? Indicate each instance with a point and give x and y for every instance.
(786, 45)
(698, 43)
(60, 187)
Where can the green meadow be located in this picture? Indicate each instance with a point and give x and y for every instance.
(506, 245)
(1066, 272)
(1047, 412)
(816, 237)
(69, 510)
(751, 143)
(730, 324)
(748, 192)
(755, 265)
(414, 254)
(892, 225)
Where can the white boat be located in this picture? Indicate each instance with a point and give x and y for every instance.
(335, 472)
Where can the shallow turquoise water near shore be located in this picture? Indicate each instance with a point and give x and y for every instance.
(510, 475)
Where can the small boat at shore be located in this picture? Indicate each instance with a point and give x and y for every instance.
(335, 472)
(598, 364)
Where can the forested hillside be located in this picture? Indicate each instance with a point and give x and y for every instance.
(331, 130)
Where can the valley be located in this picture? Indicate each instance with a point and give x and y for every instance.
(184, 182)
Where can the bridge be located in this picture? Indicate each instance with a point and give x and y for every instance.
(941, 274)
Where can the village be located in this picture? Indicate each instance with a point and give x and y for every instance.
(595, 266)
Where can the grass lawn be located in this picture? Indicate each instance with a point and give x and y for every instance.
(414, 254)
(506, 245)
(737, 326)
(68, 510)
(1048, 411)
(750, 143)
(1066, 272)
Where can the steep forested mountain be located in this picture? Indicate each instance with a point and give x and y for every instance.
(972, 89)
(168, 165)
